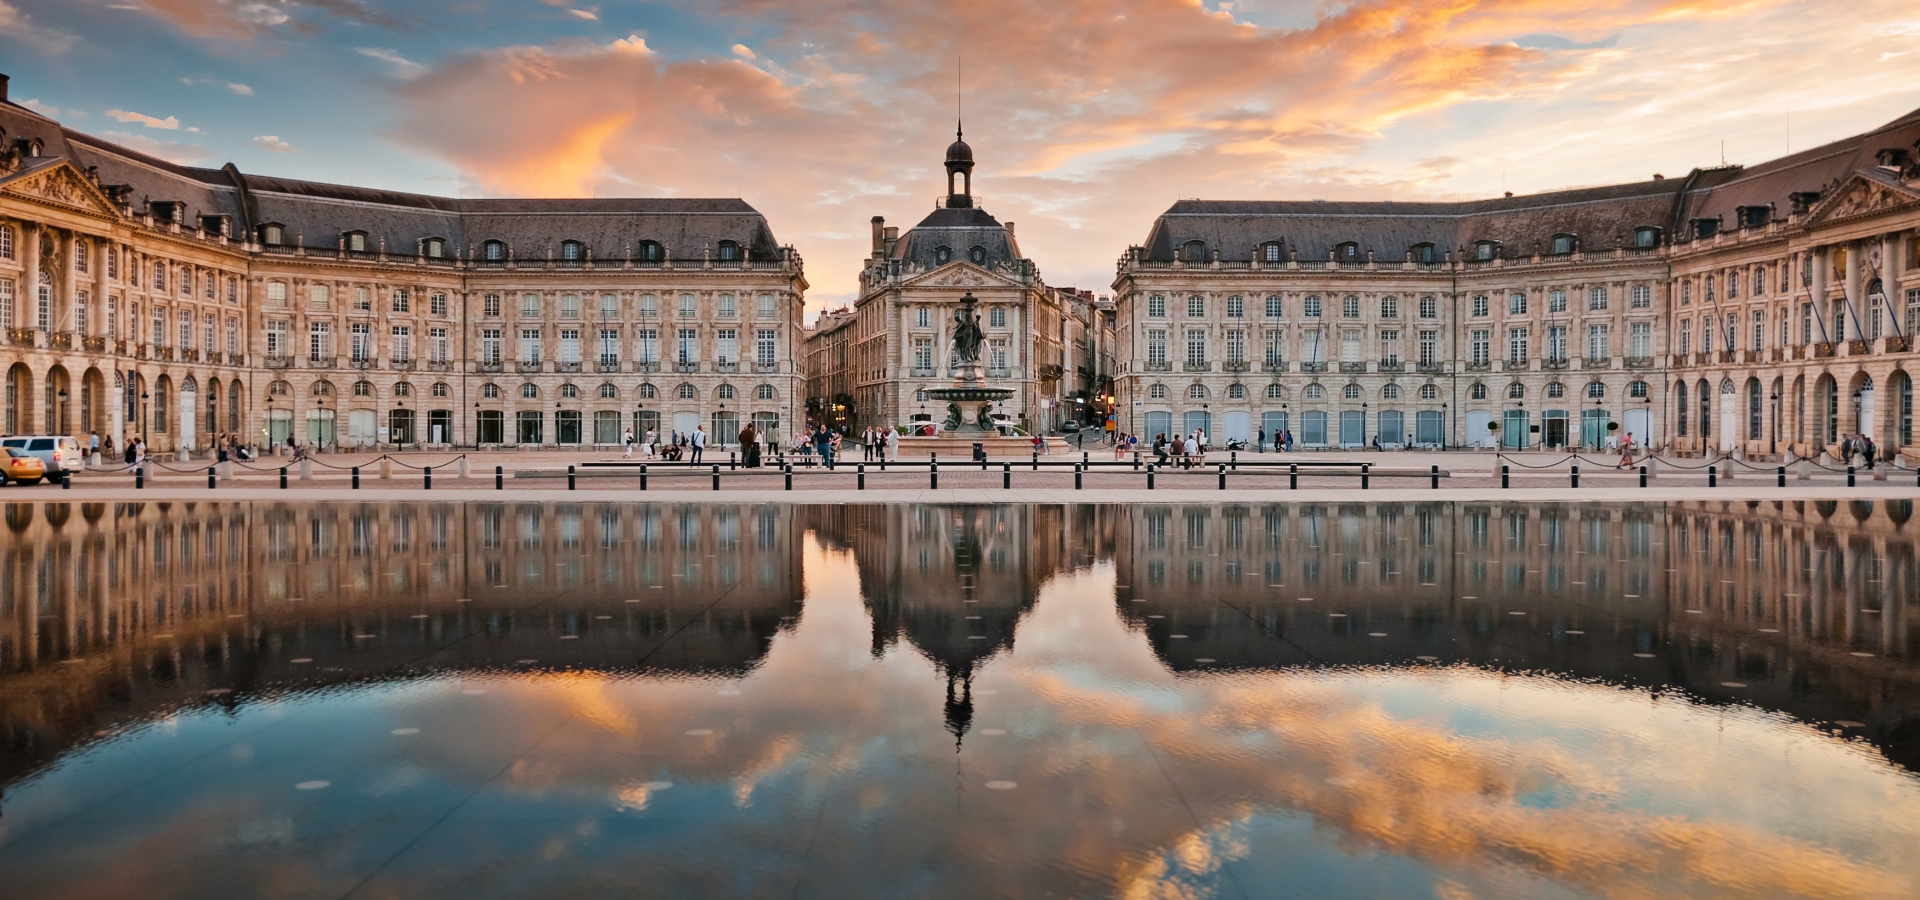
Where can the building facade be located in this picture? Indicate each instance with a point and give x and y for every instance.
(1760, 310)
(140, 297)
(898, 342)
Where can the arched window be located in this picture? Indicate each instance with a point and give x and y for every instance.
(440, 389)
(1486, 249)
(570, 391)
(159, 277)
(1596, 390)
(271, 235)
(1315, 392)
(1157, 392)
(1425, 253)
(1236, 392)
(436, 248)
(942, 254)
(402, 389)
(490, 391)
(322, 389)
(1516, 391)
(1350, 392)
(1196, 392)
(763, 392)
(1556, 389)
(1637, 390)
(1347, 251)
(684, 392)
(279, 389)
(530, 391)
(1276, 392)
(493, 251)
(570, 251)
(1477, 392)
(1429, 392)
(651, 252)
(725, 392)
(978, 254)
(356, 241)
(1646, 236)
(648, 392)
(1390, 392)
(729, 251)
(609, 392)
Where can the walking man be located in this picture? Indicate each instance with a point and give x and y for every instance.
(699, 443)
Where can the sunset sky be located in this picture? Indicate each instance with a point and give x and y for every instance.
(1087, 117)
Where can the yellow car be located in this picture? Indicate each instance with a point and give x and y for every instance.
(20, 466)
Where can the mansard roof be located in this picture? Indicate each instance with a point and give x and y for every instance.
(689, 228)
(959, 230)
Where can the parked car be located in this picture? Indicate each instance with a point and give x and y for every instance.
(59, 453)
(20, 466)
(1069, 427)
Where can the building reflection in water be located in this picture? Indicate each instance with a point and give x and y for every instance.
(117, 615)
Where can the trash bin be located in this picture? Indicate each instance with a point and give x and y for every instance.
(979, 452)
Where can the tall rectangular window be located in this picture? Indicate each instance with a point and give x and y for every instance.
(1640, 340)
(569, 345)
(401, 300)
(362, 299)
(1686, 336)
(233, 335)
(6, 303)
(1596, 298)
(277, 293)
(1597, 348)
(1390, 346)
(649, 306)
(766, 306)
(113, 311)
(923, 353)
(530, 345)
(113, 263)
(688, 348)
(647, 345)
(1556, 301)
(997, 353)
(763, 345)
(1274, 348)
(1479, 306)
(490, 349)
(1557, 342)
(1196, 307)
(1429, 307)
(1913, 310)
(728, 349)
(529, 306)
(687, 306)
(277, 337)
(159, 326)
(401, 348)
(1196, 347)
(437, 347)
(1642, 297)
(569, 306)
(1156, 347)
(726, 306)
(1156, 307)
(1806, 323)
(1429, 348)
(186, 329)
(997, 317)
(1236, 346)
(1480, 344)
(1275, 308)
(1350, 348)
(1516, 346)
(1310, 307)
(1517, 304)
(1236, 308)
(209, 326)
(490, 306)
(318, 296)
(437, 305)
(360, 340)
(80, 312)
(319, 341)
(609, 346)
(1350, 308)
(1759, 328)
(1389, 307)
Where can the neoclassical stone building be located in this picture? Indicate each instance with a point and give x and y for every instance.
(1756, 309)
(140, 297)
(874, 368)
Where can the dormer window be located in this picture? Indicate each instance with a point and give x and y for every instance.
(1754, 216)
(942, 254)
(1646, 236)
(1194, 252)
(1270, 252)
(270, 235)
(1564, 244)
(1706, 228)
(436, 248)
(356, 241)
(729, 251)
(1485, 250)
(1347, 252)
(493, 251)
(1425, 253)
(570, 251)
(978, 255)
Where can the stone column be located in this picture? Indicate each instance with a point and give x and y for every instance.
(27, 299)
(1855, 291)
(96, 311)
(1818, 296)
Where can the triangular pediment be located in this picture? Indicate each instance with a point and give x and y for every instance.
(58, 182)
(1866, 192)
(960, 273)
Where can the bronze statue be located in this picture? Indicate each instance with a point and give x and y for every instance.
(954, 420)
(966, 332)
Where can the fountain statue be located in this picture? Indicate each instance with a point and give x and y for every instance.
(967, 375)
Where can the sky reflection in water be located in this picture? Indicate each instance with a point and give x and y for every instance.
(1431, 700)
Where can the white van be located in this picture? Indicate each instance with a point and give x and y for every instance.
(58, 452)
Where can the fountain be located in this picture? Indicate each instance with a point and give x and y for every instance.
(967, 374)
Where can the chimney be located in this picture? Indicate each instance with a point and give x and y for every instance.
(879, 235)
(891, 236)
(1009, 227)
(3, 87)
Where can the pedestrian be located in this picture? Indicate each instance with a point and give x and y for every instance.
(1193, 452)
(1160, 448)
(93, 444)
(1039, 444)
(220, 448)
(626, 438)
(1260, 440)
(747, 446)
(699, 442)
(1120, 446)
(1626, 452)
(1868, 450)
(893, 443)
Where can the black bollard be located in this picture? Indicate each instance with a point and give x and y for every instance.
(427, 474)
(1223, 476)
(499, 478)
(1643, 476)
(1780, 476)
(1849, 476)
(570, 483)
(283, 478)
(356, 478)
(1234, 457)
(63, 478)
(1036, 461)
(1505, 480)
(861, 483)
(1006, 476)
(1366, 470)
(933, 475)
(1576, 475)
(1149, 476)
(1713, 477)
(140, 478)
(1084, 459)
(789, 475)
(1436, 478)
(733, 462)
(1293, 476)
(643, 475)
(716, 478)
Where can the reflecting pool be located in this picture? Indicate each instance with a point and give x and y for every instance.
(1437, 700)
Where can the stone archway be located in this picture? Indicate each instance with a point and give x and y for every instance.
(94, 401)
(56, 419)
(18, 415)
